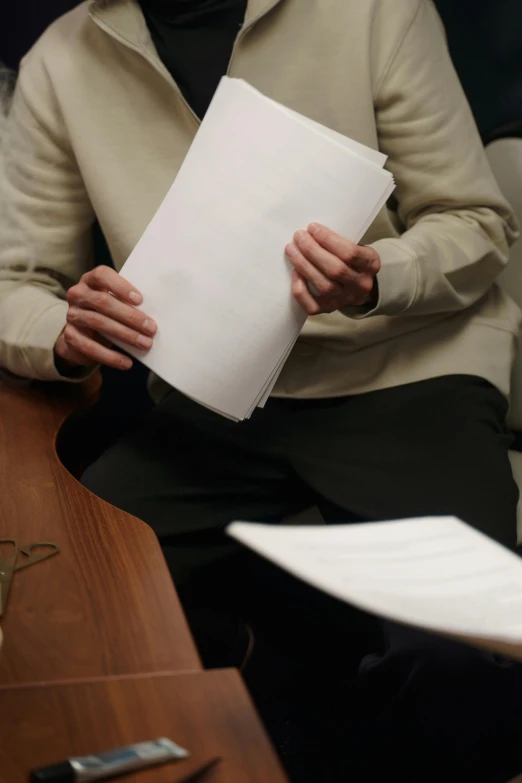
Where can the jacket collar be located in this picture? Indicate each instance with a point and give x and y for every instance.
(256, 9)
(125, 18)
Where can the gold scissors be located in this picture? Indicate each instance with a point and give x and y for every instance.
(9, 566)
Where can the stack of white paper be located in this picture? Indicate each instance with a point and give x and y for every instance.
(434, 573)
(211, 264)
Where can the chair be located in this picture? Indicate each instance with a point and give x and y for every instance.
(505, 157)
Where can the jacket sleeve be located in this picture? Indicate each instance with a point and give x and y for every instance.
(45, 222)
(458, 227)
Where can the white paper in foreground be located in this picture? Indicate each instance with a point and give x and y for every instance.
(211, 264)
(435, 573)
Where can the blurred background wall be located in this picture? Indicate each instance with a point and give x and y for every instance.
(485, 38)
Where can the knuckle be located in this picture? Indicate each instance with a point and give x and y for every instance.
(83, 301)
(366, 284)
(95, 320)
(98, 274)
(69, 334)
(339, 271)
(72, 294)
(136, 318)
(327, 288)
(304, 241)
(80, 295)
(325, 236)
(98, 299)
(349, 254)
(298, 262)
(319, 232)
(350, 276)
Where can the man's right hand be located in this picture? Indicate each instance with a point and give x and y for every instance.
(101, 308)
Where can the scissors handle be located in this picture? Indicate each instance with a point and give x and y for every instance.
(31, 559)
(7, 566)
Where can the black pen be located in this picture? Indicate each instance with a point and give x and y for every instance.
(197, 774)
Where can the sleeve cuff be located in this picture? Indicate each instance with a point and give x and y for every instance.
(397, 281)
(42, 337)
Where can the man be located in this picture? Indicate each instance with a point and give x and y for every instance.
(393, 402)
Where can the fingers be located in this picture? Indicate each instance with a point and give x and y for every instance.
(302, 294)
(110, 328)
(104, 303)
(106, 279)
(320, 282)
(348, 278)
(78, 341)
(83, 297)
(358, 257)
(333, 268)
(69, 355)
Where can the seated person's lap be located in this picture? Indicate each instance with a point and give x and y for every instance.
(435, 447)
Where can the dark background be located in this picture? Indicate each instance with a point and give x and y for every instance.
(485, 38)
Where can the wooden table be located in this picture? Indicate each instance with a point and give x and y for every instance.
(97, 652)
(209, 713)
(106, 605)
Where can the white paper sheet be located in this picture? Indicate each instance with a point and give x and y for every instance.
(264, 397)
(434, 573)
(211, 263)
(368, 153)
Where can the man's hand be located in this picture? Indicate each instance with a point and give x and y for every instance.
(339, 273)
(101, 308)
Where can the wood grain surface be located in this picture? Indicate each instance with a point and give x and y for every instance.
(208, 713)
(106, 605)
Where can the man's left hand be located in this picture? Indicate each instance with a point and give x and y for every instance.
(340, 273)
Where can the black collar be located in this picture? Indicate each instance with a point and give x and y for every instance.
(186, 12)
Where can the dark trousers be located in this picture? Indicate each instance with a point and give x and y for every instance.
(418, 706)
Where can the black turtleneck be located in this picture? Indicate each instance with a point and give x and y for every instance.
(194, 39)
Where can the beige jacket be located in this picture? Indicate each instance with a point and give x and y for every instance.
(98, 127)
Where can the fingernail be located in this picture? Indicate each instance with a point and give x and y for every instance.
(144, 342)
(135, 297)
(126, 363)
(313, 228)
(300, 236)
(291, 250)
(150, 326)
